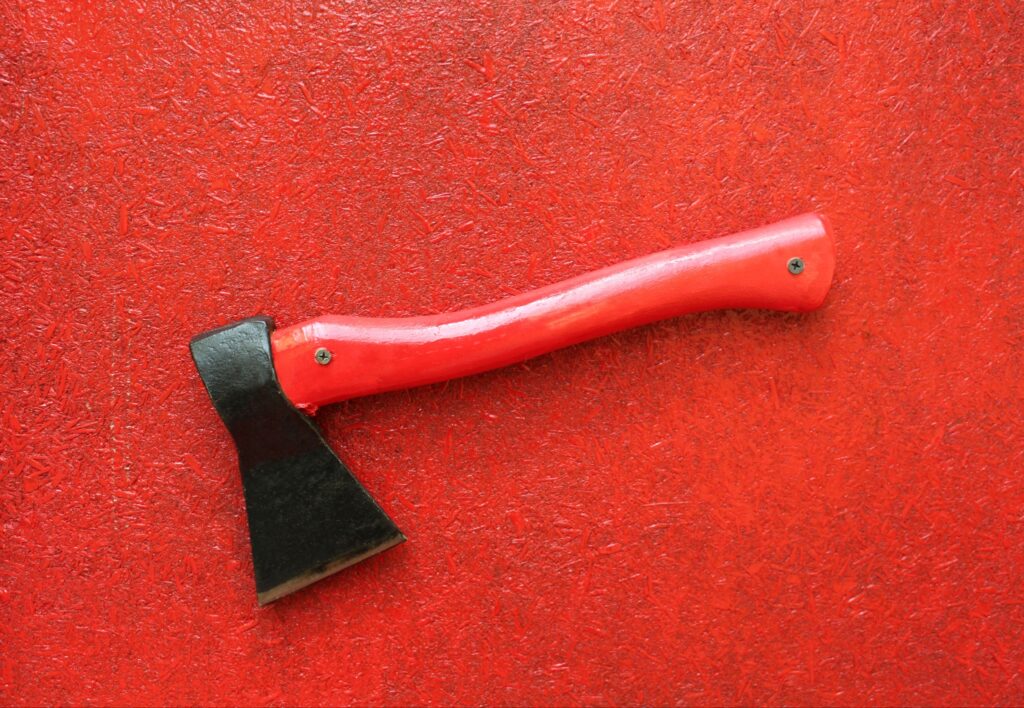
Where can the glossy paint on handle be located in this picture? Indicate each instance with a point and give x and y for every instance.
(371, 355)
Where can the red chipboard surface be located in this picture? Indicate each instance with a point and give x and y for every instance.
(736, 507)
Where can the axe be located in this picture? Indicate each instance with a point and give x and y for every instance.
(308, 515)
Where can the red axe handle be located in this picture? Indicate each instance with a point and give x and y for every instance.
(785, 266)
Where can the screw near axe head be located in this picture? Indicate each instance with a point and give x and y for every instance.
(308, 516)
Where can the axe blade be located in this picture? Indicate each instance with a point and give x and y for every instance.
(308, 515)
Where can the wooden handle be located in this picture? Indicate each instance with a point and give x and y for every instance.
(785, 266)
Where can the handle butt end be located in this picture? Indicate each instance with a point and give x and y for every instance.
(795, 269)
(820, 262)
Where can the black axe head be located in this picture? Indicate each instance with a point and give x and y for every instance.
(308, 516)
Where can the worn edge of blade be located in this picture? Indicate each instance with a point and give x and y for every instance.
(301, 581)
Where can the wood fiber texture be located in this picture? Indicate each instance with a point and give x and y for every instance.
(735, 507)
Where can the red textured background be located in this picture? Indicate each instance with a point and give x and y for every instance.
(734, 507)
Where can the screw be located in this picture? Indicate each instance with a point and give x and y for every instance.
(795, 266)
(322, 356)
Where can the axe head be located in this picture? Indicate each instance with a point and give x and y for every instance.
(308, 516)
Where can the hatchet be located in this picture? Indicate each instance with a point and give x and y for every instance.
(308, 515)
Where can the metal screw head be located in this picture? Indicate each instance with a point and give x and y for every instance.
(795, 266)
(322, 356)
